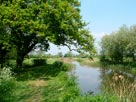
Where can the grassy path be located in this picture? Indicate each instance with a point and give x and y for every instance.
(32, 82)
(31, 91)
(37, 94)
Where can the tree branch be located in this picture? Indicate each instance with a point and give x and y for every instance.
(69, 47)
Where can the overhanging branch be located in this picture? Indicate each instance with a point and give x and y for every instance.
(69, 47)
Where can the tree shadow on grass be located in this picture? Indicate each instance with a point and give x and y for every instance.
(41, 72)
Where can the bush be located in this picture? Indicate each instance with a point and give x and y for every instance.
(57, 64)
(7, 85)
(38, 62)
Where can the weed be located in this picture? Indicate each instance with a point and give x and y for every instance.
(7, 85)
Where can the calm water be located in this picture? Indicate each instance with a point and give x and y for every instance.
(91, 79)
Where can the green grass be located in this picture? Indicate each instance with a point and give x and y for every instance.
(26, 92)
(85, 61)
(61, 89)
(64, 89)
(51, 83)
(129, 68)
(51, 69)
(32, 80)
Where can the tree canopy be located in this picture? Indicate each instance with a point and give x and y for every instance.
(35, 23)
(120, 46)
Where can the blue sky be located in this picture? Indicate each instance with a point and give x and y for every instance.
(105, 16)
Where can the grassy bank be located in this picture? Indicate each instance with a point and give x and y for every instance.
(48, 83)
(29, 82)
(130, 68)
(85, 61)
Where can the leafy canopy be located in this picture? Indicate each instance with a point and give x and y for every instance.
(121, 45)
(36, 23)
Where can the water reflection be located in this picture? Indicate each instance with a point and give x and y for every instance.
(88, 78)
(100, 80)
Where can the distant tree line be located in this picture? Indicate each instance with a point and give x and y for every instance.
(119, 46)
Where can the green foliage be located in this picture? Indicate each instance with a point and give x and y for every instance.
(39, 62)
(79, 60)
(35, 23)
(51, 68)
(82, 55)
(60, 66)
(7, 85)
(12, 53)
(133, 70)
(97, 98)
(119, 46)
(5, 44)
(57, 63)
(4, 49)
(68, 54)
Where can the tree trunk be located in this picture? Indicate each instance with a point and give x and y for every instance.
(19, 61)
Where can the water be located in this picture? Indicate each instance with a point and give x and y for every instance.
(92, 79)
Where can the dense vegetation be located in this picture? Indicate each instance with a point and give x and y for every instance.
(40, 83)
(119, 46)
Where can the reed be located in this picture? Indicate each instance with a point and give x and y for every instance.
(121, 87)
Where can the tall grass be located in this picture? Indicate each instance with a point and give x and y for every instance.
(61, 89)
(7, 85)
(122, 87)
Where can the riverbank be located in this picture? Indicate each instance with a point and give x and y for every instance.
(51, 83)
(91, 62)
(113, 79)
(130, 68)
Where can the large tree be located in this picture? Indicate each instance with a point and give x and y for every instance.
(36, 23)
(119, 46)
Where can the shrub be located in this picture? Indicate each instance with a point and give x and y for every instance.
(7, 85)
(60, 66)
(57, 64)
(38, 62)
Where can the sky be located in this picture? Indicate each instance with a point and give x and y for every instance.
(104, 17)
